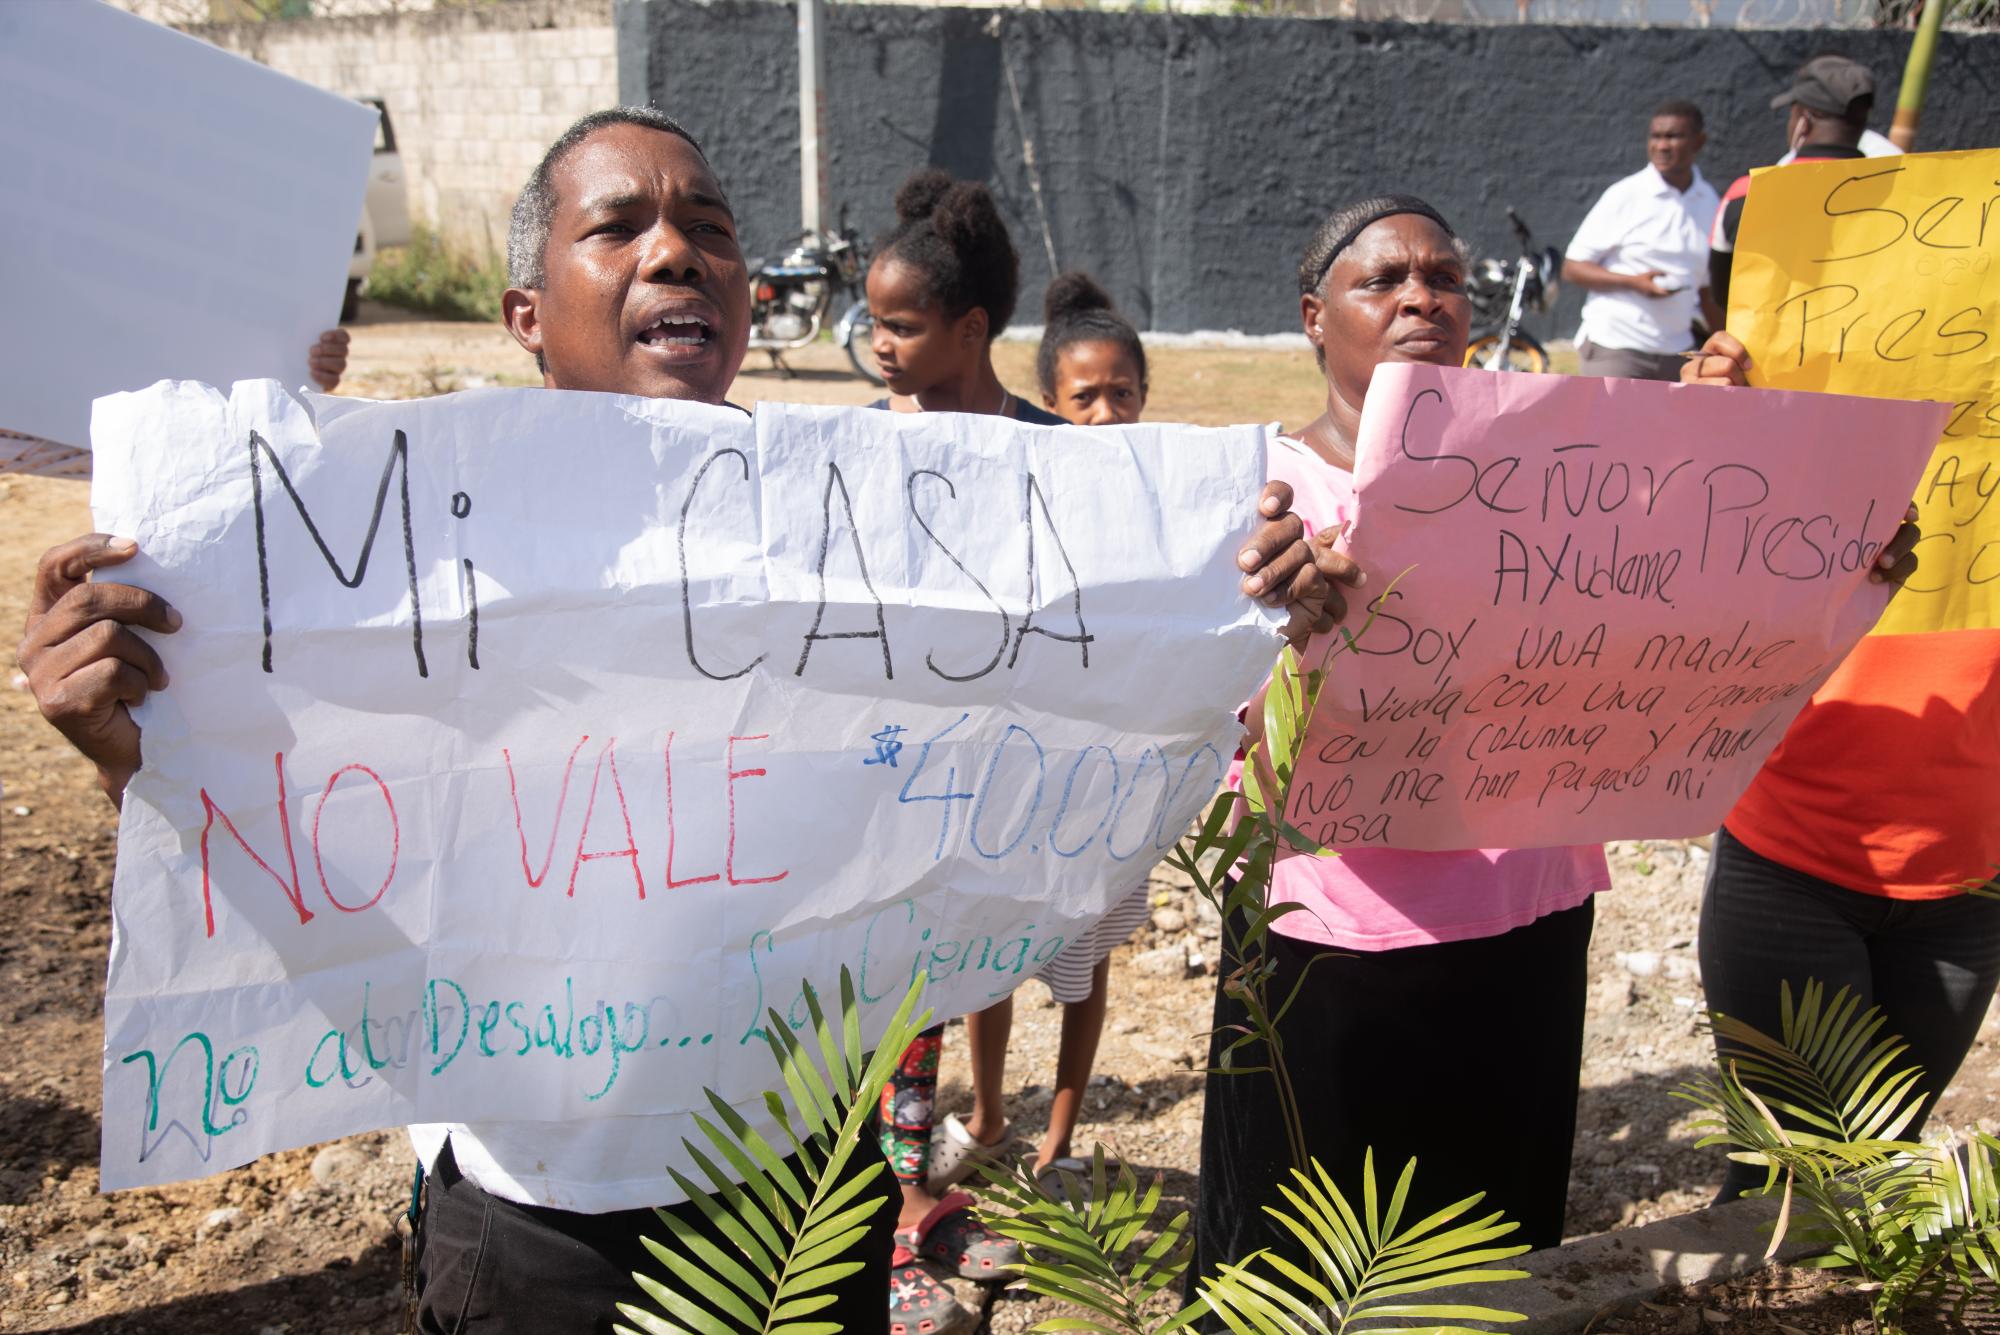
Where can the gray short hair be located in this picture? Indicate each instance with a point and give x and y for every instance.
(535, 208)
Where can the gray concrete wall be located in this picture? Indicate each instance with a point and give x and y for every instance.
(1185, 160)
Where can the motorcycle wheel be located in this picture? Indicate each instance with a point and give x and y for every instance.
(1524, 353)
(857, 333)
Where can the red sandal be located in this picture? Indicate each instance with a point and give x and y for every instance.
(919, 1303)
(951, 1236)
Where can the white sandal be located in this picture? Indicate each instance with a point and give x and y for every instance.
(1056, 1176)
(956, 1154)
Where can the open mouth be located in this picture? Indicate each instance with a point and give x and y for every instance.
(677, 332)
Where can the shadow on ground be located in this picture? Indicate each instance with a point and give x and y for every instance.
(42, 1135)
(363, 1297)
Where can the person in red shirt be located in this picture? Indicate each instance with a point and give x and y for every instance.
(1864, 854)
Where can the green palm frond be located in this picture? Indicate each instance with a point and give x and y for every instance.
(1229, 859)
(1096, 1245)
(787, 1224)
(1830, 1068)
(1916, 1221)
(1369, 1269)
(1956, 1218)
(1101, 1248)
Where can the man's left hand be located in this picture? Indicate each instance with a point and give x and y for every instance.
(328, 359)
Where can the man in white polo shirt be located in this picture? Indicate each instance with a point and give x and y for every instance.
(1642, 255)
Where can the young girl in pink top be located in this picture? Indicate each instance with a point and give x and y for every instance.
(1442, 1017)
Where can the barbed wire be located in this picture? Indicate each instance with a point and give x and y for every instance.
(1964, 15)
(1893, 14)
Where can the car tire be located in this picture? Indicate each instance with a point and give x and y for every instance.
(1524, 353)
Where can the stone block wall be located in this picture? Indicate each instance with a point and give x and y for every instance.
(474, 94)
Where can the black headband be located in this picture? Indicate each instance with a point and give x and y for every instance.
(1390, 207)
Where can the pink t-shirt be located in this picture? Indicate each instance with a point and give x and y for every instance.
(1382, 899)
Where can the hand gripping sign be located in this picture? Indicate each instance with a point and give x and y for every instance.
(525, 748)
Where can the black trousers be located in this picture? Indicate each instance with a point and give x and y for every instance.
(494, 1267)
(1930, 964)
(1463, 1055)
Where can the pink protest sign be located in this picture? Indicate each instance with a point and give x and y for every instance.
(1614, 597)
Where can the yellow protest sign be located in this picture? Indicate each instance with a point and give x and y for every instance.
(1881, 277)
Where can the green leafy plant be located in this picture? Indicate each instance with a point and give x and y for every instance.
(1823, 1108)
(435, 277)
(1099, 1247)
(1229, 858)
(1094, 1243)
(787, 1228)
(1368, 1265)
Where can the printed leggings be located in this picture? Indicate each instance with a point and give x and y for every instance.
(1930, 964)
(909, 1108)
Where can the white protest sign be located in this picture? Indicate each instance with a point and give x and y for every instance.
(170, 209)
(523, 747)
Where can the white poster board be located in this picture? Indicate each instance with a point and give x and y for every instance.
(169, 210)
(524, 748)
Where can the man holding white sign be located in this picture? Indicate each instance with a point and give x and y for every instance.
(629, 280)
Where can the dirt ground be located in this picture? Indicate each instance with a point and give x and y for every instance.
(1784, 1299)
(307, 1240)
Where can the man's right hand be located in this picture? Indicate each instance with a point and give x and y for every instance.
(83, 659)
(1647, 285)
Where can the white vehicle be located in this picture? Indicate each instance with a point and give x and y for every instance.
(385, 210)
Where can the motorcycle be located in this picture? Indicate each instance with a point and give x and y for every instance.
(1501, 293)
(792, 296)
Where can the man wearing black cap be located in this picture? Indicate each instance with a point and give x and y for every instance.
(1828, 107)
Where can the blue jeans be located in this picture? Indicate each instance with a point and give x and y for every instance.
(1931, 964)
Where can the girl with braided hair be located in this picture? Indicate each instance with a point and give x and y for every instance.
(1092, 366)
(942, 288)
(1092, 370)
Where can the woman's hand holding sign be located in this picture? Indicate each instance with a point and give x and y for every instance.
(1283, 567)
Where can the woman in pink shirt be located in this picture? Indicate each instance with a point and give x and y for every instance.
(1442, 1017)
